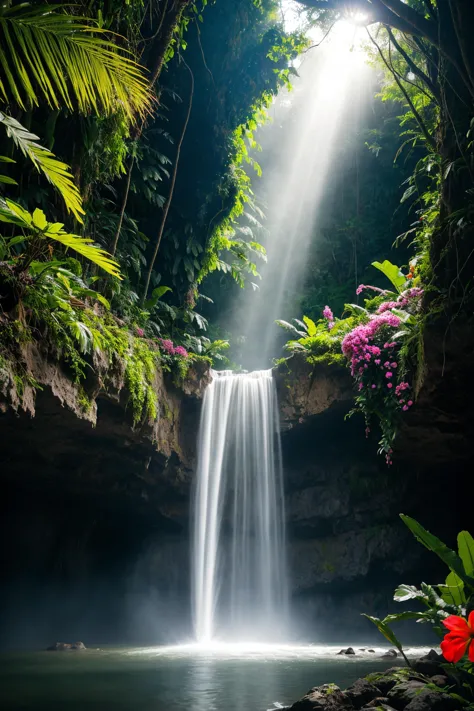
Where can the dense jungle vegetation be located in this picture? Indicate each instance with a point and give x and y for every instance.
(127, 143)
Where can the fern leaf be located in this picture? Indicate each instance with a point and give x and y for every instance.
(56, 172)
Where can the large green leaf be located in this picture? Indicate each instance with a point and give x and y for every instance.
(66, 60)
(448, 556)
(466, 551)
(453, 592)
(310, 325)
(392, 272)
(383, 627)
(54, 170)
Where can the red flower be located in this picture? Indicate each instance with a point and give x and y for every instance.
(459, 638)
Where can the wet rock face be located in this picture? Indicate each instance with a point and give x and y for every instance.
(147, 468)
(305, 390)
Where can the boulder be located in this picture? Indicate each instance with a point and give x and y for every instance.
(429, 700)
(390, 654)
(348, 650)
(66, 647)
(327, 697)
(429, 665)
(388, 679)
(362, 692)
(404, 692)
(377, 702)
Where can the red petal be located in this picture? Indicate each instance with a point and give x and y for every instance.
(471, 651)
(453, 648)
(457, 625)
(470, 621)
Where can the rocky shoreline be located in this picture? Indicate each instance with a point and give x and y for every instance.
(424, 686)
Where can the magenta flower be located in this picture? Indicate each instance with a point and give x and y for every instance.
(410, 403)
(389, 386)
(167, 346)
(179, 350)
(377, 361)
(405, 408)
(140, 332)
(373, 386)
(394, 365)
(328, 314)
(388, 375)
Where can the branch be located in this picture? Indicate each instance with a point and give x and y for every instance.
(419, 120)
(376, 11)
(424, 27)
(414, 67)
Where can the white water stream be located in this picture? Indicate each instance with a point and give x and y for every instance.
(239, 571)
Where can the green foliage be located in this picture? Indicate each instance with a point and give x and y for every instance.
(140, 373)
(438, 601)
(66, 60)
(393, 274)
(36, 230)
(56, 172)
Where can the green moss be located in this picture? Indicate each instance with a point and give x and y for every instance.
(140, 372)
(83, 400)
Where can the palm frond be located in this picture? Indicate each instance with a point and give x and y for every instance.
(45, 162)
(38, 225)
(66, 61)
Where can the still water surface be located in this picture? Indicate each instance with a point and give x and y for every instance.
(173, 679)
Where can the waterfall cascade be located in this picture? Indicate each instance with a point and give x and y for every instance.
(239, 571)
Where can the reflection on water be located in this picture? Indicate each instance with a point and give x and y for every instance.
(212, 678)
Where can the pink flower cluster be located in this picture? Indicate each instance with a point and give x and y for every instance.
(357, 346)
(363, 287)
(139, 331)
(405, 298)
(329, 316)
(399, 392)
(168, 347)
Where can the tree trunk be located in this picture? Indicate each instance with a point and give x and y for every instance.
(452, 244)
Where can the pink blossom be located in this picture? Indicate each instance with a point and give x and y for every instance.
(328, 314)
(389, 374)
(377, 361)
(410, 403)
(139, 331)
(179, 350)
(167, 346)
(394, 365)
(386, 306)
(373, 386)
(389, 385)
(405, 408)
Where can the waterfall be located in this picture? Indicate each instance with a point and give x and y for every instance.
(239, 571)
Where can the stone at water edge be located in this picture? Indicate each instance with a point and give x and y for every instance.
(390, 654)
(429, 665)
(362, 692)
(66, 647)
(348, 650)
(327, 697)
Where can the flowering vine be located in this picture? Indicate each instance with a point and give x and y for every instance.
(373, 344)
